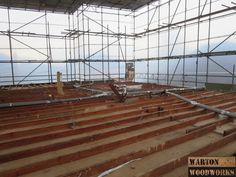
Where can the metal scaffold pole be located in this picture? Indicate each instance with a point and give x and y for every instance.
(102, 44)
(198, 35)
(66, 57)
(158, 41)
(125, 47)
(108, 52)
(208, 42)
(184, 48)
(83, 28)
(118, 44)
(70, 54)
(148, 40)
(89, 63)
(46, 30)
(75, 70)
(50, 54)
(78, 38)
(10, 45)
(168, 51)
(134, 43)
(233, 76)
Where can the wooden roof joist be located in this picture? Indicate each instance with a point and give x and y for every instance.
(152, 136)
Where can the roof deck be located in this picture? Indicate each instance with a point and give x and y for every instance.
(146, 134)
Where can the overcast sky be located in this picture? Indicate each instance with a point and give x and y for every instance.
(59, 25)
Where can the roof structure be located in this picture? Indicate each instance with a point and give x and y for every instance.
(70, 6)
(147, 135)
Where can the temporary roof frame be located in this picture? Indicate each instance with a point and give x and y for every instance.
(70, 6)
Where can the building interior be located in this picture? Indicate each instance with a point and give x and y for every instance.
(96, 88)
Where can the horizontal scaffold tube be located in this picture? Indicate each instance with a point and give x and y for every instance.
(98, 94)
(213, 109)
(153, 92)
(38, 102)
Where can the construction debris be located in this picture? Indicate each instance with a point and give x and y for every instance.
(120, 91)
(116, 168)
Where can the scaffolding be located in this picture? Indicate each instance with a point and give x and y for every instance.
(171, 42)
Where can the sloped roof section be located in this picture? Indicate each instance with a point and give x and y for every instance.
(70, 6)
